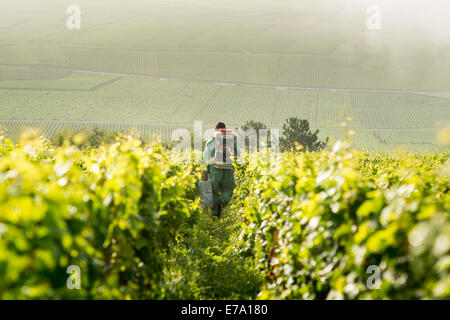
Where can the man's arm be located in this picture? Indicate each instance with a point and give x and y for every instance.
(207, 152)
(207, 159)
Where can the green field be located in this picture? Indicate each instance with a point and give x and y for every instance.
(158, 65)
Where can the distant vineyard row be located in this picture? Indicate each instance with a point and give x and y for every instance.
(377, 140)
(92, 97)
(295, 70)
(13, 73)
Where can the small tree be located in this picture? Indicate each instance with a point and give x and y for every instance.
(297, 132)
(257, 126)
(65, 135)
(98, 136)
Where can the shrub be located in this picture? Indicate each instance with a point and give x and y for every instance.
(319, 221)
(112, 211)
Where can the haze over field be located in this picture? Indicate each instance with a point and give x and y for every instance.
(160, 64)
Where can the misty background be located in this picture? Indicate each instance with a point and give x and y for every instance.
(165, 63)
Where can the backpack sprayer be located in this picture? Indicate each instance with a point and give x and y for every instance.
(225, 150)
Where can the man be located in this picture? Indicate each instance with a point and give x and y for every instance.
(218, 156)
